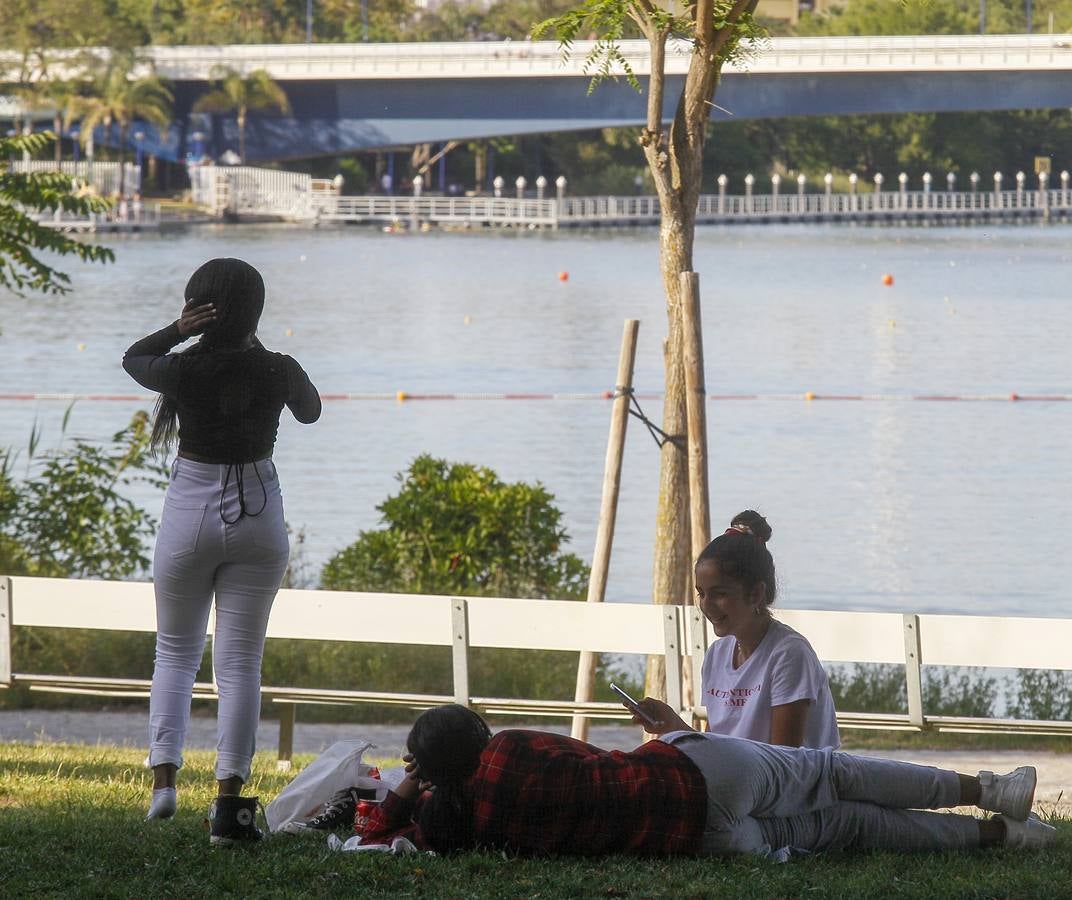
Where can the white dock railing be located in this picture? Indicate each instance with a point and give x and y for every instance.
(125, 216)
(102, 176)
(250, 191)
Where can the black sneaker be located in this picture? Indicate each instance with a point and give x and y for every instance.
(232, 820)
(339, 811)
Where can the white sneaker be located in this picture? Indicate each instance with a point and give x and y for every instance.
(1032, 834)
(1011, 795)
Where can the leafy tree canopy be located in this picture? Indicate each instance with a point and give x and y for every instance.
(861, 17)
(22, 237)
(458, 529)
(68, 517)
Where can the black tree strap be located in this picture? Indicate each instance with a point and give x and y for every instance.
(660, 437)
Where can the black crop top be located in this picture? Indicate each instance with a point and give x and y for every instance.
(228, 401)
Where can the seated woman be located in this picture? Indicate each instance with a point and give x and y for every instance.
(761, 680)
(686, 793)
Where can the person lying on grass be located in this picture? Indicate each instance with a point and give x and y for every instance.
(685, 793)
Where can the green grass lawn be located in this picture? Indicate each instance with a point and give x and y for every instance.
(71, 826)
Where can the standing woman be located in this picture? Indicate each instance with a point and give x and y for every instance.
(222, 531)
(762, 680)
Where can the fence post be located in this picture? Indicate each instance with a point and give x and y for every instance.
(287, 714)
(672, 644)
(913, 670)
(459, 618)
(697, 652)
(5, 630)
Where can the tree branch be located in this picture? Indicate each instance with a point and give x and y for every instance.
(727, 33)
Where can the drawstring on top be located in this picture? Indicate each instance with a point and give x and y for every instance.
(242, 511)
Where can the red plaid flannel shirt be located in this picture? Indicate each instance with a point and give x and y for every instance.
(540, 793)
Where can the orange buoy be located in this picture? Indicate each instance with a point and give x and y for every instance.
(1014, 397)
(887, 279)
(563, 276)
(608, 395)
(400, 396)
(810, 395)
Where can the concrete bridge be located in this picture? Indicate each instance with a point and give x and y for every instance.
(362, 96)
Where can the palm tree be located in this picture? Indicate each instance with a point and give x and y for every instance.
(239, 94)
(120, 98)
(38, 86)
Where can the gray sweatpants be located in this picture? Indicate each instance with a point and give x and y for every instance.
(762, 798)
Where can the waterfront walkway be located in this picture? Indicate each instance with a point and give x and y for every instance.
(129, 729)
(249, 192)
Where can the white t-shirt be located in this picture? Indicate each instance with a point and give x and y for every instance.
(783, 669)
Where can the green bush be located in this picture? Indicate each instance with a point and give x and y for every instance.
(1041, 694)
(880, 688)
(68, 517)
(457, 529)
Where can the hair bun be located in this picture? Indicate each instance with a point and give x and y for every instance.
(754, 522)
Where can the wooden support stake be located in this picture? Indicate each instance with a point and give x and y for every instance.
(287, 715)
(608, 511)
(696, 413)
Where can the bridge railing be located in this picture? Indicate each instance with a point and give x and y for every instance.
(544, 58)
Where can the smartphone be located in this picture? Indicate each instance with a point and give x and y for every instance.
(632, 704)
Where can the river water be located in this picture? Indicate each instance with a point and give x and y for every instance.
(878, 504)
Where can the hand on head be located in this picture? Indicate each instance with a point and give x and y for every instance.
(196, 317)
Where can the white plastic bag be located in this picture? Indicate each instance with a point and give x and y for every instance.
(337, 768)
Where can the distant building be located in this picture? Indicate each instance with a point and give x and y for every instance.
(790, 10)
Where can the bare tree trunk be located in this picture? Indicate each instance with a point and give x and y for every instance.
(673, 542)
(57, 123)
(676, 164)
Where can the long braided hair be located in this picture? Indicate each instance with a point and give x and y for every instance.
(237, 291)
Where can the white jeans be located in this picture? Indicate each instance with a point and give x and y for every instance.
(199, 554)
(763, 797)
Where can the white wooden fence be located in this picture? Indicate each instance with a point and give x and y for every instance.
(677, 633)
